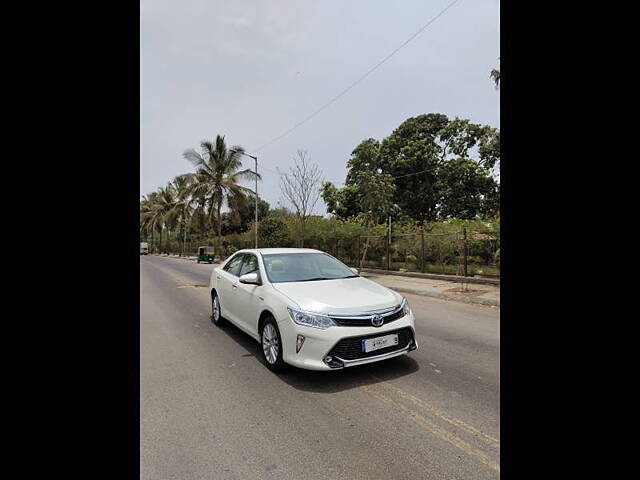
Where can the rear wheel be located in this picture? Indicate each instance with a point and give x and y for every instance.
(216, 312)
(271, 343)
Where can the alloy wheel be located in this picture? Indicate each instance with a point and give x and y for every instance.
(270, 344)
(216, 309)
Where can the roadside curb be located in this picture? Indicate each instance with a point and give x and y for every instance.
(444, 296)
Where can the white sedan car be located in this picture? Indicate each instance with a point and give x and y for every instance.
(310, 310)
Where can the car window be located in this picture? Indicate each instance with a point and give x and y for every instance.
(304, 267)
(249, 265)
(233, 265)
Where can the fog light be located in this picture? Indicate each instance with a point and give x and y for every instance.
(299, 342)
(328, 359)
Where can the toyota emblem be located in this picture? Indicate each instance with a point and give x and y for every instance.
(377, 320)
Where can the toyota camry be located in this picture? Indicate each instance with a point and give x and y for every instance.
(308, 309)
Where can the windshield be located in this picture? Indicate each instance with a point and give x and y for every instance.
(304, 267)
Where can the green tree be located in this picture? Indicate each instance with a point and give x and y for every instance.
(412, 155)
(155, 211)
(149, 218)
(423, 156)
(417, 153)
(495, 76)
(466, 190)
(273, 233)
(240, 220)
(365, 157)
(342, 202)
(375, 195)
(216, 178)
(183, 206)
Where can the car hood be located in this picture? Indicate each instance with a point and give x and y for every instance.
(344, 295)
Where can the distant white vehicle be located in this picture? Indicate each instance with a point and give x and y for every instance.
(144, 248)
(310, 310)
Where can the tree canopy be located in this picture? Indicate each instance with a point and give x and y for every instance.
(438, 168)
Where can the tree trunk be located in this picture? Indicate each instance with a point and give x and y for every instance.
(302, 232)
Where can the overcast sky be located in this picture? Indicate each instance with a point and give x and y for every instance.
(251, 69)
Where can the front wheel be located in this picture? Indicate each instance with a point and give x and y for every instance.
(216, 312)
(272, 346)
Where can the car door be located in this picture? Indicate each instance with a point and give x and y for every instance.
(227, 279)
(247, 301)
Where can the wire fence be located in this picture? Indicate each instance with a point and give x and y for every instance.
(463, 253)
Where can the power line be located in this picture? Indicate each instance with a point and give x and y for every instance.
(365, 75)
(280, 174)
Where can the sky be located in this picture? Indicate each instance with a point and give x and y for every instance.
(252, 69)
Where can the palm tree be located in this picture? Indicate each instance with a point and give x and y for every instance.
(165, 203)
(149, 218)
(217, 176)
(155, 211)
(495, 76)
(183, 206)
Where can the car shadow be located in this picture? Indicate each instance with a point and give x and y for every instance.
(328, 381)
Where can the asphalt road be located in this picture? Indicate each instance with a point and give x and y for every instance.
(210, 409)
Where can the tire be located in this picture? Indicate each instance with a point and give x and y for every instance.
(271, 345)
(197, 261)
(216, 312)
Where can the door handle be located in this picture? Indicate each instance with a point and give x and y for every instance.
(235, 285)
(218, 277)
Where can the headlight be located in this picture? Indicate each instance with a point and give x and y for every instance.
(310, 319)
(406, 310)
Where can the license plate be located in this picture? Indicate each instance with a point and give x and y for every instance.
(371, 344)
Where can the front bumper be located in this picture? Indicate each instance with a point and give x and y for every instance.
(320, 343)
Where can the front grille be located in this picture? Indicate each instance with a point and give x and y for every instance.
(351, 348)
(365, 322)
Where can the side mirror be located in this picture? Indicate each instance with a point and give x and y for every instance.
(354, 270)
(250, 278)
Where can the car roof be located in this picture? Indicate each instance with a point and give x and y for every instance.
(276, 251)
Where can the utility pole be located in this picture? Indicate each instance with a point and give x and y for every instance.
(256, 172)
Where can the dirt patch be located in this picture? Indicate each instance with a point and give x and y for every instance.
(467, 293)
